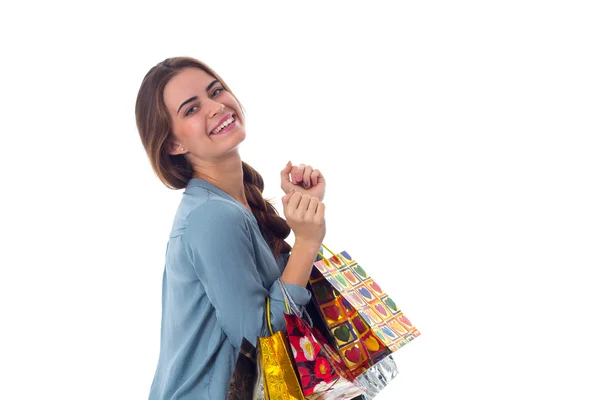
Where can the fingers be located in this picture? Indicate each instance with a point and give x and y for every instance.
(297, 173)
(302, 174)
(304, 203)
(300, 205)
(314, 177)
(286, 199)
(306, 176)
(312, 206)
(295, 198)
(321, 212)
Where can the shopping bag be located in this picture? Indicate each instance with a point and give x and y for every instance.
(362, 322)
(321, 374)
(371, 381)
(275, 358)
(377, 377)
(319, 368)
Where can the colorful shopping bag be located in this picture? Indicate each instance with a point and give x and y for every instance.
(320, 373)
(363, 323)
(320, 369)
(314, 369)
(371, 381)
(275, 358)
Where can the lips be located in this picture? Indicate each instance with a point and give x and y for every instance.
(225, 118)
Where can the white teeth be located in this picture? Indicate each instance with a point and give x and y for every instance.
(223, 125)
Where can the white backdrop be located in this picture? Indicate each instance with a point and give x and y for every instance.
(460, 145)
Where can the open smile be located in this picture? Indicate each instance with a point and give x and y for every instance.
(225, 125)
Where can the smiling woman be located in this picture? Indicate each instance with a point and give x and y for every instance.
(226, 249)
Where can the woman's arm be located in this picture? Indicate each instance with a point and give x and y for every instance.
(299, 265)
(219, 246)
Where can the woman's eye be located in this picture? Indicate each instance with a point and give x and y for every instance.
(215, 93)
(188, 111)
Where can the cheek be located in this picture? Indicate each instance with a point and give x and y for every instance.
(195, 126)
(230, 101)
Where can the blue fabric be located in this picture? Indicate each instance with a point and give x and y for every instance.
(218, 272)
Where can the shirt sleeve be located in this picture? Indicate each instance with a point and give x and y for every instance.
(283, 260)
(219, 245)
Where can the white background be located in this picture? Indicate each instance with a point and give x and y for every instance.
(460, 145)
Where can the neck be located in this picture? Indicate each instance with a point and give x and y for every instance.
(226, 174)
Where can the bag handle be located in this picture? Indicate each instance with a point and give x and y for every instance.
(290, 307)
(268, 311)
(288, 299)
(323, 257)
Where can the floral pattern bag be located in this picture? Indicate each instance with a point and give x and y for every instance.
(321, 371)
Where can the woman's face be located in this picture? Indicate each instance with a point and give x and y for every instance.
(198, 106)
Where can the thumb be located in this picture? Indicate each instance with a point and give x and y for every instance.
(286, 199)
(285, 172)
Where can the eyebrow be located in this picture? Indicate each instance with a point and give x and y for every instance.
(196, 97)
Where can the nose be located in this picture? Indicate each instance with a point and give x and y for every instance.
(215, 108)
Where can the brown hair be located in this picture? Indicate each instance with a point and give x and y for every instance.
(175, 171)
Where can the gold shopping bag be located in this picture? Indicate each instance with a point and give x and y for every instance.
(279, 375)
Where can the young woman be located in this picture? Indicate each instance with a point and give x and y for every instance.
(226, 248)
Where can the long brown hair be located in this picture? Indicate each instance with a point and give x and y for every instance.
(175, 171)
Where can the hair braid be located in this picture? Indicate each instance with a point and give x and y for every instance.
(273, 227)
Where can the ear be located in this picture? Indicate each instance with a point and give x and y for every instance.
(174, 148)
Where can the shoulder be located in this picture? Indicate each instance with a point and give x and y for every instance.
(213, 230)
(215, 217)
(215, 210)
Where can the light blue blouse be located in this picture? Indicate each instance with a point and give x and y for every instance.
(218, 272)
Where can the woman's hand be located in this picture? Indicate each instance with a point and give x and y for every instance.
(305, 215)
(304, 179)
